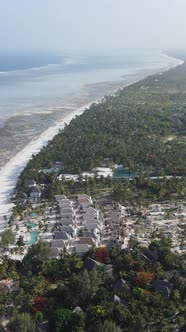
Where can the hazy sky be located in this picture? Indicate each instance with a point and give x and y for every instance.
(58, 24)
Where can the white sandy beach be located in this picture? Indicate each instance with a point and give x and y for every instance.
(10, 172)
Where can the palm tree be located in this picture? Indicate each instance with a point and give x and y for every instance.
(45, 228)
(28, 228)
(12, 251)
(40, 225)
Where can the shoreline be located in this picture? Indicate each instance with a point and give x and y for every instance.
(11, 171)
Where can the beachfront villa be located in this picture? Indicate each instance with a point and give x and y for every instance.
(30, 183)
(35, 193)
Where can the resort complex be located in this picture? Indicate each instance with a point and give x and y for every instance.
(96, 237)
(78, 223)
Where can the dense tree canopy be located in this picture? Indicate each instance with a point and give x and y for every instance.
(6, 237)
(143, 125)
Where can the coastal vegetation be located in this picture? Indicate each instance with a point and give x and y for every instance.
(64, 295)
(142, 128)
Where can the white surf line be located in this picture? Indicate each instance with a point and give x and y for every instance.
(11, 171)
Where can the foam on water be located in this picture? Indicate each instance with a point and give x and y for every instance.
(49, 88)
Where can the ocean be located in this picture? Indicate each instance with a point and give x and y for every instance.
(37, 89)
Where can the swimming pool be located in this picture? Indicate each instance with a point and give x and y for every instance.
(31, 224)
(34, 214)
(33, 237)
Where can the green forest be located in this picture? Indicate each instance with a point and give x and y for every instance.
(142, 127)
(123, 293)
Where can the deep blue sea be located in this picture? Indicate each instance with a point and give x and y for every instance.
(38, 88)
(22, 60)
